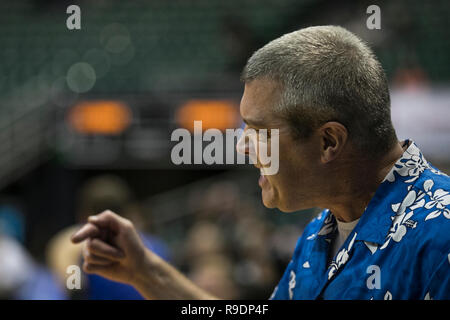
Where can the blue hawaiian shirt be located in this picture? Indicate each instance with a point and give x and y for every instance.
(400, 248)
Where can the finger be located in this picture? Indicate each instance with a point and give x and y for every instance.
(95, 268)
(89, 230)
(94, 259)
(106, 219)
(102, 249)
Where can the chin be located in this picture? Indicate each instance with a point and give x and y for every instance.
(271, 201)
(271, 198)
(268, 198)
(269, 204)
(284, 208)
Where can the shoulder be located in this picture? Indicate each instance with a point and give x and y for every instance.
(432, 193)
(431, 213)
(437, 177)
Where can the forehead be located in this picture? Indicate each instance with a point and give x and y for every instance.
(258, 100)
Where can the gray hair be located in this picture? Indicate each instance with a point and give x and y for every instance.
(326, 73)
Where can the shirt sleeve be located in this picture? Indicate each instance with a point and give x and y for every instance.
(439, 284)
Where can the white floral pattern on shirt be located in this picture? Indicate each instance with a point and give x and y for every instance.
(341, 258)
(411, 165)
(328, 226)
(414, 199)
(439, 199)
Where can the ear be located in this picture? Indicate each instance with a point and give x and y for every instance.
(333, 137)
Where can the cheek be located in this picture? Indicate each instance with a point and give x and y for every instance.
(290, 163)
(281, 183)
(289, 178)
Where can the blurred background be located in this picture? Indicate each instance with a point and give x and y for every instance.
(86, 118)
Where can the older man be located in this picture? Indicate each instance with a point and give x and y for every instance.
(384, 234)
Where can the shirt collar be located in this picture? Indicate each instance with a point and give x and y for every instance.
(376, 220)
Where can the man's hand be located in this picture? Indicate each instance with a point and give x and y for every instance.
(113, 248)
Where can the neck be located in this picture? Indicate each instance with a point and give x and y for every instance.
(356, 182)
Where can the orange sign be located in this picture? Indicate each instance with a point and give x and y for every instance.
(100, 117)
(219, 114)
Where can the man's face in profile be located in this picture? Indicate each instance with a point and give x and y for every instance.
(292, 188)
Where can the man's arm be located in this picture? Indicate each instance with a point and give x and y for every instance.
(160, 280)
(114, 250)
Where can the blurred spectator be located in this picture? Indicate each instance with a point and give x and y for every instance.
(196, 246)
(213, 273)
(12, 221)
(22, 278)
(226, 248)
(411, 77)
(99, 194)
